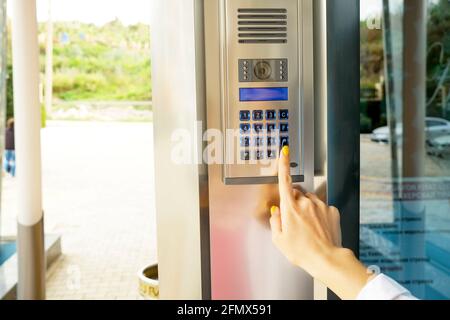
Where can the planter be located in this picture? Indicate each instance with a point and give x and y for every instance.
(149, 283)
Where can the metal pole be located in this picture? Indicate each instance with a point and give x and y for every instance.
(390, 93)
(414, 136)
(49, 62)
(25, 52)
(3, 74)
(414, 88)
(444, 101)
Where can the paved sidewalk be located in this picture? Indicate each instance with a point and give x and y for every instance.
(98, 194)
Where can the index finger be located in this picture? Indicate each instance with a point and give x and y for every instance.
(284, 175)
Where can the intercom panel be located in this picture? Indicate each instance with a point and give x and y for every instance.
(262, 111)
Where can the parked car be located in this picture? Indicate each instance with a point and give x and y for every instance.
(435, 128)
(439, 146)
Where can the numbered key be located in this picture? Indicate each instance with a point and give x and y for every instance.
(245, 141)
(245, 155)
(284, 127)
(271, 154)
(258, 127)
(284, 114)
(284, 141)
(245, 128)
(258, 115)
(244, 115)
(271, 115)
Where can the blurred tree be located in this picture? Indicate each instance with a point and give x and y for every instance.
(9, 93)
(372, 61)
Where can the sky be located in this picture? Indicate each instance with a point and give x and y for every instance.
(369, 7)
(128, 11)
(96, 11)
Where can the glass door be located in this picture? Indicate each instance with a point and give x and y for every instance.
(405, 143)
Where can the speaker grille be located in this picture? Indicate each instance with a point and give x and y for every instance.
(262, 25)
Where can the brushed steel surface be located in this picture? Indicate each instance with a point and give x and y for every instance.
(320, 115)
(181, 195)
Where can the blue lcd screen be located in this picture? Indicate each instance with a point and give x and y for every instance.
(263, 94)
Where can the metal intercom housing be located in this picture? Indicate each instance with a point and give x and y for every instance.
(259, 85)
(262, 92)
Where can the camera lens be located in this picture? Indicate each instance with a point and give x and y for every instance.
(263, 70)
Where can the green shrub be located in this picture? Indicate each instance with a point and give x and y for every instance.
(62, 82)
(365, 123)
(43, 116)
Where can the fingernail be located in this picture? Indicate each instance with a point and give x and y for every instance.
(285, 151)
(273, 210)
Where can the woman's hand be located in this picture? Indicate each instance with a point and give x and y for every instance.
(308, 233)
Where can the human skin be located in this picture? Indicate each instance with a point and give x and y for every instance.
(308, 233)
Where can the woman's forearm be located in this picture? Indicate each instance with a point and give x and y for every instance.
(342, 273)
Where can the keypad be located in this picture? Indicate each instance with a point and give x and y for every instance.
(263, 133)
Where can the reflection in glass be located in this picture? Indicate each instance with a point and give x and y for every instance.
(7, 248)
(405, 143)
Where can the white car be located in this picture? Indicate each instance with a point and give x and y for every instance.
(435, 127)
(439, 146)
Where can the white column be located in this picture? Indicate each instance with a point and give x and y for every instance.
(27, 112)
(49, 62)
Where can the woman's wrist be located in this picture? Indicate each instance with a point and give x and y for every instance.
(342, 272)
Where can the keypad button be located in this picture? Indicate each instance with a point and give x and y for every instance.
(271, 154)
(245, 141)
(258, 115)
(245, 155)
(258, 127)
(271, 141)
(271, 115)
(284, 127)
(284, 141)
(271, 127)
(259, 155)
(259, 142)
(244, 115)
(284, 114)
(245, 128)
